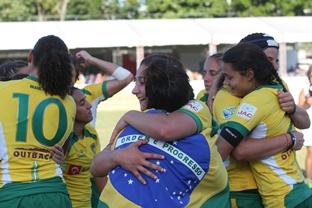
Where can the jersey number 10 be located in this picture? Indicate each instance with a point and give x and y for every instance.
(37, 120)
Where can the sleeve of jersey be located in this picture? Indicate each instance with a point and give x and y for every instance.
(96, 91)
(200, 94)
(98, 145)
(252, 110)
(233, 133)
(224, 106)
(199, 112)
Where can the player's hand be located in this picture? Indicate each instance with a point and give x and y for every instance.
(299, 140)
(58, 154)
(135, 161)
(286, 101)
(84, 58)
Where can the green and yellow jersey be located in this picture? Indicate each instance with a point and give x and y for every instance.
(240, 174)
(79, 155)
(31, 123)
(202, 96)
(95, 93)
(216, 179)
(259, 116)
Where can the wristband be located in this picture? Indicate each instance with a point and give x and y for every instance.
(293, 140)
(293, 111)
(120, 73)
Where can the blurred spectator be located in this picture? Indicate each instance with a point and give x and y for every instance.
(305, 100)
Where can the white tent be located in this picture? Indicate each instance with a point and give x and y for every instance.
(164, 32)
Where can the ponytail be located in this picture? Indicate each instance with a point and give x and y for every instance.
(52, 59)
(278, 79)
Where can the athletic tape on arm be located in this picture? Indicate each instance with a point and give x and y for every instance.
(120, 73)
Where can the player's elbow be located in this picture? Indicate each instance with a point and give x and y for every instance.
(166, 133)
(128, 79)
(94, 169)
(240, 155)
(307, 123)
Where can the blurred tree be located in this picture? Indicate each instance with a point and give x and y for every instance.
(46, 9)
(16, 10)
(186, 8)
(247, 8)
(22, 10)
(62, 9)
(25, 10)
(129, 9)
(85, 9)
(110, 9)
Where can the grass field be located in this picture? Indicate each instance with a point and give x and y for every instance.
(112, 109)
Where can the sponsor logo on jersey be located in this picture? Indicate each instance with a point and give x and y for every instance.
(229, 112)
(35, 87)
(32, 153)
(193, 105)
(74, 169)
(246, 111)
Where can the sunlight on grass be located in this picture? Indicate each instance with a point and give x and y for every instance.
(109, 112)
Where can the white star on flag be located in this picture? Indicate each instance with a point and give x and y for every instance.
(130, 181)
(125, 174)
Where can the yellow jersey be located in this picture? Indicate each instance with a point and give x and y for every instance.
(31, 123)
(240, 174)
(259, 115)
(202, 96)
(95, 94)
(79, 155)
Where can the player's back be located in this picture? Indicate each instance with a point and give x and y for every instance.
(31, 122)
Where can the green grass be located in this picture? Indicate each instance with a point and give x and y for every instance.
(109, 112)
(112, 109)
